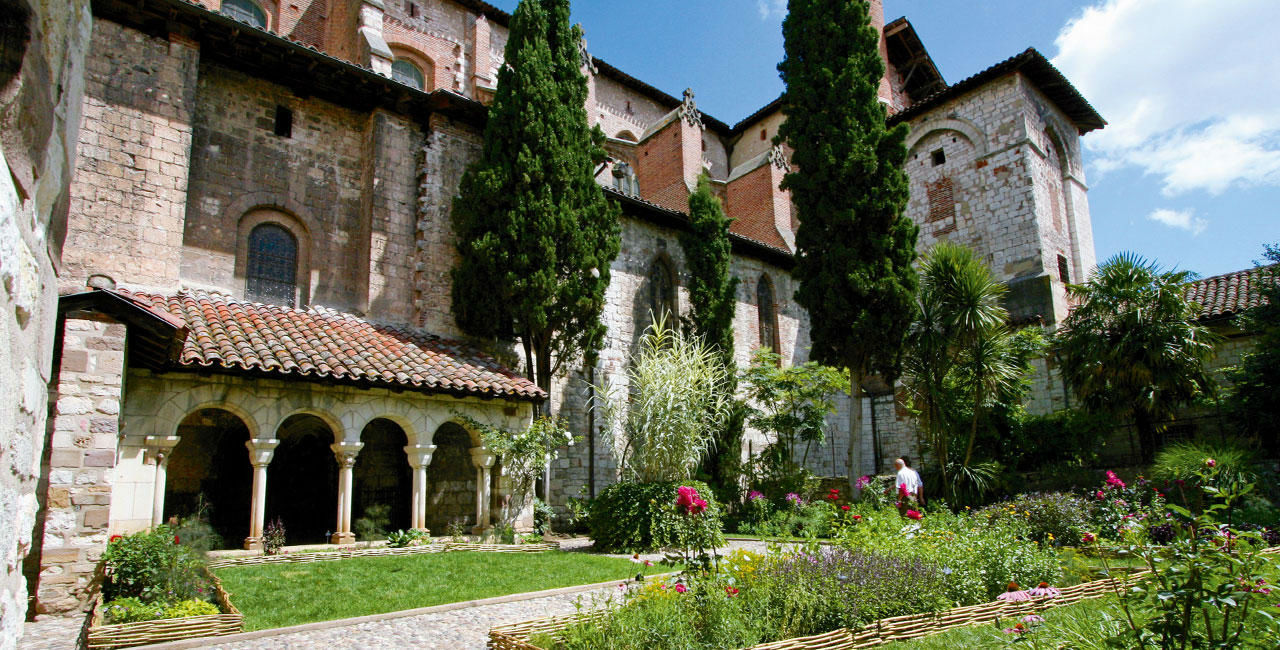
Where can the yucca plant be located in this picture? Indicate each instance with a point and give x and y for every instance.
(678, 399)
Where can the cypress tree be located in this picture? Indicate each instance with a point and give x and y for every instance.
(712, 290)
(535, 234)
(707, 253)
(854, 248)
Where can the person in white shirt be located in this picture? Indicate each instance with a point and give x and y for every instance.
(910, 479)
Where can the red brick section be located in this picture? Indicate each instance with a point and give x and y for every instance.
(750, 202)
(1231, 293)
(942, 203)
(318, 342)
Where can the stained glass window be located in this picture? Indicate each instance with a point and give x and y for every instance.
(272, 265)
(245, 12)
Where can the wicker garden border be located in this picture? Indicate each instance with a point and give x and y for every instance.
(124, 635)
(438, 547)
(515, 636)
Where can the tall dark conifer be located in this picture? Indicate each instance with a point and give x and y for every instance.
(535, 233)
(854, 247)
(712, 289)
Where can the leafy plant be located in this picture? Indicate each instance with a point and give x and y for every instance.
(1133, 346)
(403, 538)
(192, 607)
(1052, 518)
(195, 530)
(1185, 461)
(131, 610)
(677, 402)
(790, 404)
(373, 525)
(273, 537)
(524, 454)
(1255, 389)
(153, 567)
(456, 530)
(543, 515)
(640, 517)
(578, 512)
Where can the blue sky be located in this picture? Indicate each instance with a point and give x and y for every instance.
(1187, 173)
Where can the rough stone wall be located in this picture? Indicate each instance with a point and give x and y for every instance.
(80, 463)
(390, 188)
(315, 176)
(450, 147)
(41, 88)
(129, 193)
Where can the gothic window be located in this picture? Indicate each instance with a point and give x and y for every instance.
(408, 73)
(272, 265)
(624, 179)
(767, 314)
(661, 297)
(245, 11)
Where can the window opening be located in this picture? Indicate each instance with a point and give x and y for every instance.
(767, 314)
(624, 179)
(405, 72)
(284, 122)
(245, 12)
(1064, 269)
(939, 157)
(413, 10)
(662, 292)
(272, 265)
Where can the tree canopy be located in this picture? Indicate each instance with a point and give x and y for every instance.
(535, 233)
(854, 248)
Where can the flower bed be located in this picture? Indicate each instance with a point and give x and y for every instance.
(330, 556)
(124, 635)
(516, 636)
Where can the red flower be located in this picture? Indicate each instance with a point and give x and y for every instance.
(844, 507)
(175, 539)
(857, 517)
(902, 491)
(732, 591)
(912, 514)
(114, 538)
(680, 589)
(1087, 538)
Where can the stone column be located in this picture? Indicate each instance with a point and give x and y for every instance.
(260, 454)
(419, 459)
(483, 461)
(159, 448)
(346, 453)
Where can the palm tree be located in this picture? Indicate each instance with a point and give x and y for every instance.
(1132, 346)
(959, 337)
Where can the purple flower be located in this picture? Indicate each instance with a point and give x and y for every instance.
(793, 498)
(1032, 619)
(1044, 590)
(754, 495)
(863, 481)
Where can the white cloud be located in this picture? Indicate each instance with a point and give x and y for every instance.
(1180, 219)
(771, 8)
(1191, 89)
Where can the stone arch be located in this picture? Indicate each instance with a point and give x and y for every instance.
(208, 473)
(302, 479)
(416, 425)
(767, 314)
(626, 135)
(171, 414)
(381, 475)
(660, 289)
(340, 432)
(451, 479)
(971, 132)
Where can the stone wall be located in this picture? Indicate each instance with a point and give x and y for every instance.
(74, 522)
(129, 193)
(41, 87)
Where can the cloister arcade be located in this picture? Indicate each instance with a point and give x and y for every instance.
(316, 457)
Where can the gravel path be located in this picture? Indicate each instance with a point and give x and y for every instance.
(461, 629)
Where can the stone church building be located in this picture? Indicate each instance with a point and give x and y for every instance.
(255, 265)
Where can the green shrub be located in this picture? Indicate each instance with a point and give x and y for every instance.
(195, 531)
(131, 610)
(642, 517)
(273, 537)
(543, 515)
(813, 518)
(1185, 460)
(153, 567)
(190, 608)
(1052, 518)
(373, 525)
(403, 538)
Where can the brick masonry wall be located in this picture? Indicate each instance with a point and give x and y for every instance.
(87, 400)
(128, 196)
(39, 115)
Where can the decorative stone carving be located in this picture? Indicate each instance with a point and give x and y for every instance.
(778, 158)
(689, 110)
(586, 61)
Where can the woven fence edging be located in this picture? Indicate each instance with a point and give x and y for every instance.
(330, 556)
(124, 635)
(515, 636)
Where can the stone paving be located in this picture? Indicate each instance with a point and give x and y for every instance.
(460, 629)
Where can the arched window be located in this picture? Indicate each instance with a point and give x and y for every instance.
(271, 270)
(767, 314)
(624, 179)
(245, 11)
(662, 292)
(408, 73)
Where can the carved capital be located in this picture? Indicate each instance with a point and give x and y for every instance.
(346, 453)
(261, 451)
(481, 458)
(158, 447)
(419, 455)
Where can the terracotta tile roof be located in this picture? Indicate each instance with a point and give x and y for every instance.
(1231, 293)
(237, 336)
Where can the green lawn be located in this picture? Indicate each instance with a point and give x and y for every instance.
(277, 595)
